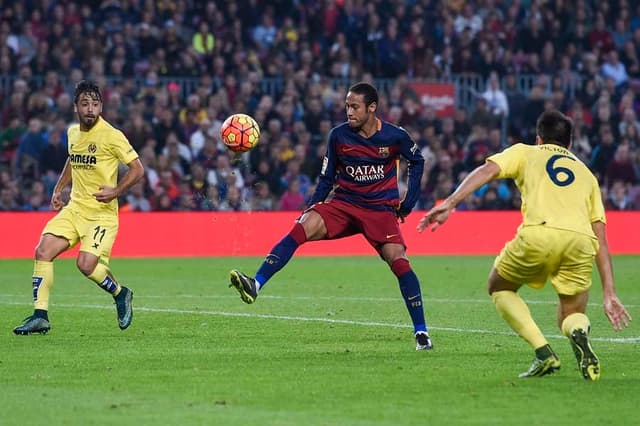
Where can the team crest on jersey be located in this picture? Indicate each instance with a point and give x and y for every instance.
(92, 148)
(383, 151)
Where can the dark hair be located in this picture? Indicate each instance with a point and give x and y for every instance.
(369, 92)
(88, 87)
(555, 127)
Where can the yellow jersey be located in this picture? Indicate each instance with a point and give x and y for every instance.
(94, 157)
(557, 189)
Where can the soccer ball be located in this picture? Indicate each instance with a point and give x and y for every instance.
(240, 132)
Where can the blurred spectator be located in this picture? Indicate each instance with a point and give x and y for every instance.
(136, 201)
(615, 69)
(191, 115)
(468, 19)
(490, 200)
(234, 201)
(9, 139)
(532, 109)
(198, 184)
(600, 37)
(54, 158)
(197, 138)
(293, 198)
(36, 199)
(212, 200)
(186, 199)
(203, 41)
(628, 120)
(265, 33)
(138, 131)
(481, 116)
(262, 199)
(293, 173)
(7, 200)
(603, 153)
(28, 156)
(621, 169)
(496, 99)
(619, 198)
(516, 101)
(167, 186)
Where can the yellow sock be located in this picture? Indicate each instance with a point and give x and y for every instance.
(103, 277)
(42, 280)
(516, 313)
(575, 321)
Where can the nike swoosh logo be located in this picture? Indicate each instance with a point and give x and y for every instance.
(413, 297)
(391, 235)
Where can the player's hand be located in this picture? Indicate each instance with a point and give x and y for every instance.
(436, 217)
(105, 194)
(56, 202)
(402, 213)
(616, 312)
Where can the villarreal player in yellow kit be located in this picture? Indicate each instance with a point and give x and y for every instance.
(91, 217)
(562, 232)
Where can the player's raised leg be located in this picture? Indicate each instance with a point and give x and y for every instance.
(310, 223)
(516, 313)
(48, 248)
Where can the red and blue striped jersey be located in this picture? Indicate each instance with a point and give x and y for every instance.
(364, 171)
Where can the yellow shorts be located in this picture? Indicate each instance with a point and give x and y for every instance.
(540, 252)
(96, 235)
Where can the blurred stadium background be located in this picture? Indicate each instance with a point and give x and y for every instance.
(465, 78)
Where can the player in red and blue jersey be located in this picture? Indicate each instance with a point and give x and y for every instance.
(357, 193)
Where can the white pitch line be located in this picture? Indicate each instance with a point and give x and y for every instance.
(426, 299)
(325, 320)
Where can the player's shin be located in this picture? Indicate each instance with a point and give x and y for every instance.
(410, 289)
(516, 313)
(42, 280)
(102, 276)
(280, 254)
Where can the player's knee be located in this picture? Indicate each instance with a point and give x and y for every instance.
(44, 253)
(41, 253)
(497, 283)
(392, 253)
(86, 266)
(298, 233)
(313, 226)
(493, 286)
(400, 266)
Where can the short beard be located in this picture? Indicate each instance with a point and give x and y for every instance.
(88, 125)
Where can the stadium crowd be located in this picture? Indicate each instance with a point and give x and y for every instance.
(315, 49)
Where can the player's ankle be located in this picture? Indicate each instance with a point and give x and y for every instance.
(41, 313)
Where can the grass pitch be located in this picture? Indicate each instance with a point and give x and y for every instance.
(328, 342)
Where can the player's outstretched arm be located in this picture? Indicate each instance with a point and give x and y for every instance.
(133, 175)
(440, 213)
(613, 307)
(63, 181)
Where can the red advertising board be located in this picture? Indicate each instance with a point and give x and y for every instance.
(441, 96)
(253, 234)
